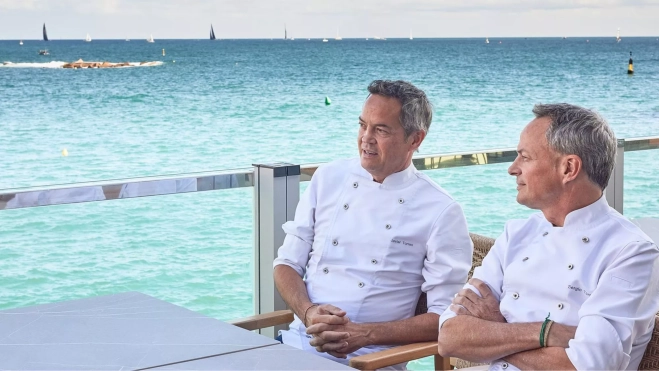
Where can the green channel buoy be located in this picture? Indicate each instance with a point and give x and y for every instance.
(327, 101)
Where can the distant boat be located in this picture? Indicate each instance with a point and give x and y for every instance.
(212, 33)
(127, 39)
(150, 39)
(21, 42)
(44, 52)
(324, 40)
(411, 38)
(285, 32)
(337, 35)
(487, 41)
(618, 36)
(88, 38)
(45, 35)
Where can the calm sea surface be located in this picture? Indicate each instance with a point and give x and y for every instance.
(230, 103)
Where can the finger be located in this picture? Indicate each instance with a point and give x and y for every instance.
(469, 294)
(482, 287)
(338, 355)
(332, 336)
(331, 309)
(459, 310)
(329, 319)
(317, 328)
(334, 347)
(464, 302)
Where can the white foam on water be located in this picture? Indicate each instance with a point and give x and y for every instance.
(57, 64)
(33, 65)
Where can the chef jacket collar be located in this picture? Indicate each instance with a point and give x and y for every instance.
(586, 216)
(395, 180)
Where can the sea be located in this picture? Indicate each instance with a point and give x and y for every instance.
(227, 104)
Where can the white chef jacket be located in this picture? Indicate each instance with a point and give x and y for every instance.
(598, 272)
(371, 248)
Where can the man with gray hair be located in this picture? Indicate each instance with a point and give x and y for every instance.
(572, 287)
(370, 235)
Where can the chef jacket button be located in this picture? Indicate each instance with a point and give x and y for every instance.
(388, 226)
(544, 234)
(504, 365)
(400, 201)
(325, 270)
(335, 242)
(373, 261)
(585, 239)
(525, 259)
(560, 305)
(570, 266)
(355, 185)
(515, 295)
(345, 206)
(361, 284)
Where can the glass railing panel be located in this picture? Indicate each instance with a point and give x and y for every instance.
(641, 184)
(194, 250)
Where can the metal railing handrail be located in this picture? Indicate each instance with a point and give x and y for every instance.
(236, 178)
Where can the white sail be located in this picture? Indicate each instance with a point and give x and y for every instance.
(150, 39)
(21, 42)
(487, 41)
(618, 35)
(88, 38)
(337, 35)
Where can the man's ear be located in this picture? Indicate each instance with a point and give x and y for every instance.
(417, 138)
(572, 167)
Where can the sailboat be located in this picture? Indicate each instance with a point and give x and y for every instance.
(21, 42)
(324, 40)
(212, 33)
(411, 38)
(45, 35)
(487, 41)
(88, 38)
(285, 32)
(618, 36)
(150, 39)
(337, 35)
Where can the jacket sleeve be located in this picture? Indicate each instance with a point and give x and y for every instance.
(300, 231)
(619, 309)
(490, 272)
(448, 258)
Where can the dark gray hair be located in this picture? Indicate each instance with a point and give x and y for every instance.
(579, 131)
(416, 111)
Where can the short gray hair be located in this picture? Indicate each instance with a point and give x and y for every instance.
(579, 131)
(416, 111)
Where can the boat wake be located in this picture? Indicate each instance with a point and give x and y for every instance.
(57, 64)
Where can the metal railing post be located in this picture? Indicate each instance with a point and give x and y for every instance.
(276, 195)
(614, 190)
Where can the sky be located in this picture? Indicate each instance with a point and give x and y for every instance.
(235, 19)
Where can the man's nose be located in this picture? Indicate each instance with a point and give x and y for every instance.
(368, 136)
(513, 169)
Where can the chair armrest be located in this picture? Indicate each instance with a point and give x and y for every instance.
(259, 321)
(403, 353)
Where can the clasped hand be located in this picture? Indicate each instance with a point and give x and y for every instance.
(333, 332)
(485, 307)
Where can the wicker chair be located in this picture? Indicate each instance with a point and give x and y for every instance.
(403, 353)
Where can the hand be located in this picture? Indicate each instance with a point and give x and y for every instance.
(486, 306)
(325, 313)
(338, 340)
(560, 335)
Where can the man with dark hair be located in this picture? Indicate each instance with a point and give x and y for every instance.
(370, 235)
(572, 287)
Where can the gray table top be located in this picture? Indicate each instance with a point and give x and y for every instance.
(132, 331)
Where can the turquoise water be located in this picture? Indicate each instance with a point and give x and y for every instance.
(227, 104)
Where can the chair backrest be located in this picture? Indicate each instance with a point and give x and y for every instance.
(482, 246)
(650, 360)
